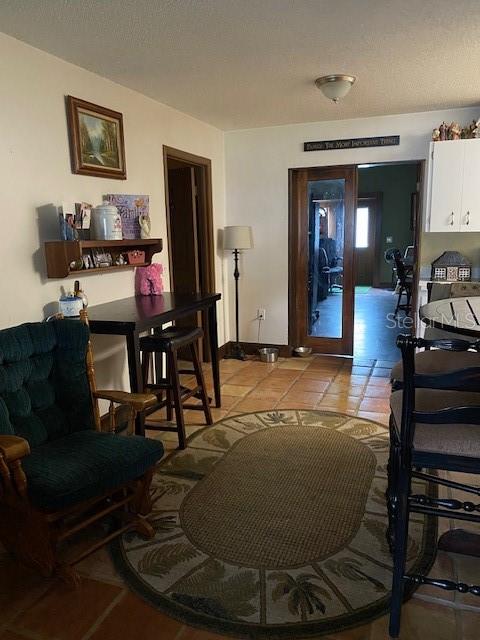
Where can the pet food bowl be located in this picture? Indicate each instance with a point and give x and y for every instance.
(268, 354)
(302, 352)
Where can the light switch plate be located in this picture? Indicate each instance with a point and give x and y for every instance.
(389, 240)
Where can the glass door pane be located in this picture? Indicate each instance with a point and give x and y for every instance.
(326, 245)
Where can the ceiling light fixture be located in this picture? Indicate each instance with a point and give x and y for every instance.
(335, 86)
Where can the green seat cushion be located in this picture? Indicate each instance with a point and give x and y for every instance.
(85, 464)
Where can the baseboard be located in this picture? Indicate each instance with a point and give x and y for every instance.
(251, 348)
(223, 350)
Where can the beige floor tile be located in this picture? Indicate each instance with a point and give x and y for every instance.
(305, 397)
(292, 363)
(377, 391)
(376, 405)
(319, 374)
(344, 388)
(254, 404)
(308, 384)
(293, 404)
(67, 614)
(339, 402)
(266, 394)
(291, 374)
(236, 389)
(469, 625)
(134, 618)
(420, 621)
(271, 382)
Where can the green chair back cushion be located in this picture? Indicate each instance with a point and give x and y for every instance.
(44, 391)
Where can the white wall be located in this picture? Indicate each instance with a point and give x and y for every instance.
(35, 171)
(257, 163)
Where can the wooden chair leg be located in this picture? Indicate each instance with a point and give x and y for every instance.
(169, 391)
(145, 368)
(400, 553)
(177, 399)
(197, 367)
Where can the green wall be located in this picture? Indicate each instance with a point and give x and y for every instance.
(397, 183)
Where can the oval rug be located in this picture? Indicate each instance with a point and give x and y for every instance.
(272, 525)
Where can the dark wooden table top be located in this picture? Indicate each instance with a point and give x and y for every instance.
(139, 313)
(459, 315)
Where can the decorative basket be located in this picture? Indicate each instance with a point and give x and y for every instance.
(136, 257)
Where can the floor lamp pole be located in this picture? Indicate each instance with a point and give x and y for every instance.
(237, 351)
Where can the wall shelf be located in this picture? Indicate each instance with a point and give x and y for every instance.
(60, 254)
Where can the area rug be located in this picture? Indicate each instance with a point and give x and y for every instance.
(272, 525)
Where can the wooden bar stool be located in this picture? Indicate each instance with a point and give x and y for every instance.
(169, 341)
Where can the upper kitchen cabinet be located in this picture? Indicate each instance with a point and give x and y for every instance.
(470, 220)
(453, 194)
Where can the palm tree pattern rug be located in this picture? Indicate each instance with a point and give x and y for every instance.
(272, 525)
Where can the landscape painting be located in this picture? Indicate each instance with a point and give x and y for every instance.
(96, 139)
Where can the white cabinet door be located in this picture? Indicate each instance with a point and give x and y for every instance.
(446, 185)
(470, 219)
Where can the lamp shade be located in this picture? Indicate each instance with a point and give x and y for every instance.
(237, 238)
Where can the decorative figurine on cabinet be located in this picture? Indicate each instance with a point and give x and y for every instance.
(436, 135)
(443, 128)
(454, 131)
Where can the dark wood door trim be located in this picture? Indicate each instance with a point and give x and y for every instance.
(203, 173)
(297, 264)
(203, 177)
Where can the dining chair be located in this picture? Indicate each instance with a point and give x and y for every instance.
(404, 284)
(434, 426)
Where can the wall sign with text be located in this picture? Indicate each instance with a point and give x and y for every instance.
(352, 143)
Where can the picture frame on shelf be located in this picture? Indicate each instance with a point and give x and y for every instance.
(97, 146)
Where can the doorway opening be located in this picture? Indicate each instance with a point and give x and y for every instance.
(386, 220)
(188, 197)
(343, 222)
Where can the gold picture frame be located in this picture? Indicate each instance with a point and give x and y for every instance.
(97, 147)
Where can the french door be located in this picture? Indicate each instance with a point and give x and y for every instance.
(321, 258)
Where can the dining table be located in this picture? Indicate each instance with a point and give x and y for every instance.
(456, 315)
(462, 317)
(136, 315)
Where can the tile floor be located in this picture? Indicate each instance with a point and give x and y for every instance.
(104, 609)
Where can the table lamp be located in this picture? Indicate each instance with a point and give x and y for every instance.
(236, 239)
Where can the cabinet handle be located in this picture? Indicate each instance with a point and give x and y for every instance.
(452, 221)
(468, 218)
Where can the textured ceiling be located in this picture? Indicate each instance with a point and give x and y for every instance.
(251, 63)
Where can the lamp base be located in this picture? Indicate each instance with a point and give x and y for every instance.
(236, 352)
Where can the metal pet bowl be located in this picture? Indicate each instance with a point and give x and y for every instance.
(302, 352)
(268, 354)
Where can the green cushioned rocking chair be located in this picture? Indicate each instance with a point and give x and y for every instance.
(62, 466)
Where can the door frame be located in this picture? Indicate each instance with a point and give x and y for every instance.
(203, 169)
(297, 300)
(203, 178)
(375, 198)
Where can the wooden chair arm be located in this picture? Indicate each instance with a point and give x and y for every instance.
(12, 477)
(13, 448)
(138, 401)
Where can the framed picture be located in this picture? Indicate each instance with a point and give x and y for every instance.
(96, 140)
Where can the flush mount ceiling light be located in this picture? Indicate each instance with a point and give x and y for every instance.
(335, 86)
